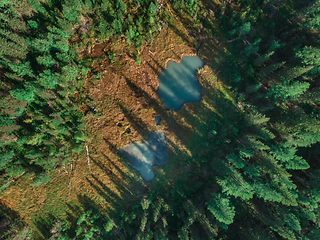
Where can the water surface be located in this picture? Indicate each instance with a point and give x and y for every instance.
(158, 120)
(178, 83)
(143, 156)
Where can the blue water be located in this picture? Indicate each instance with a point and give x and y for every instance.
(157, 119)
(178, 83)
(143, 156)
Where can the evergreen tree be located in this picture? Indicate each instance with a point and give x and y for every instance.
(220, 208)
(287, 90)
(233, 184)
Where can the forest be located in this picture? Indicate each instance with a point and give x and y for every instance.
(78, 82)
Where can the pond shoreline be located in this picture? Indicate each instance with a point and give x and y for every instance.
(178, 83)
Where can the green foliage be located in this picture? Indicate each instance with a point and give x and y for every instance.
(235, 185)
(236, 161)
(71, 10)
(145, 203)
(109, 226)
(6, 158)
(22, 94)
(286, 155)
(221, 209)
(266, 192)
(144, 220)
(271, 68)
(256, 144)
(303, 139)
(48, 79)
(258, 119)
(138, 60)
(46, 60)
(33, 24)
(152, 8)
(40, 179)
(79, 137)
(117, 26)
(309, 56)
(42, 61)
(241, 30)
(311, 17)
(287, 90)
(70, 72)
(22, 69)
(89, 225)
(157, 209)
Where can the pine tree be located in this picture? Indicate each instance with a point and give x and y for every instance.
(220, 208)
(236, 161)
(287, 90)
(22, 69)
(233, 184)
(71, 10)
(309, 56)
(265, 71)
(117, 26)
(286, 155)
(46, 61)
(311, 17)
(266, 192)
(23, 94)
(42, 178)
(48, 79)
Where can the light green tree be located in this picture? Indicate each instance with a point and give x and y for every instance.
(221, 208)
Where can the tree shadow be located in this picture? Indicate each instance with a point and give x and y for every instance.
(44, 226)
(156, 70)
(150, 102)
(135, 121)
(10, 222)
(185, 37)
(105, 169)
(138, 186)
(122, 174)
(103, 191)
(112, 147)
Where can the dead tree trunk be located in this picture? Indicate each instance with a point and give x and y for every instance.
(88, 160)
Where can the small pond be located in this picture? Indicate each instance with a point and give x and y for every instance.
(178, 83)
(143, 156)
(158, 120)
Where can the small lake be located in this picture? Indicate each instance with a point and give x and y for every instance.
(178, 83)
(143, 156)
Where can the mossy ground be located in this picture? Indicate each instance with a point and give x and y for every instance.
(126, 101)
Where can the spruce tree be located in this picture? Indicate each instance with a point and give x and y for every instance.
(220, 208)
